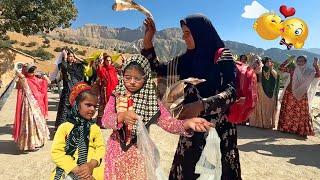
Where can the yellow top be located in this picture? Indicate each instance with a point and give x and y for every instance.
(66, 162)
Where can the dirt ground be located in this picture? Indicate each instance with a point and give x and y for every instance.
(264, 154)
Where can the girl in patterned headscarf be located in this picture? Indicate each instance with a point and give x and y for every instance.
(134, 98)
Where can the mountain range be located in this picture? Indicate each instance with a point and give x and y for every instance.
(168, 42)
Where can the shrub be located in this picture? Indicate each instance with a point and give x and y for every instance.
(73, 49)
(13, 41)
(45, 45)
(46, 41)
(81, 53)
(22, 43)
(31, 44)
(40, 53)
(58, 49)
(5, 37)
(5, 44)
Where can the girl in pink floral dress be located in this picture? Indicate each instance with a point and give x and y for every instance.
(135, 97)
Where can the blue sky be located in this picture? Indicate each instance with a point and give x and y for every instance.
(225, 15)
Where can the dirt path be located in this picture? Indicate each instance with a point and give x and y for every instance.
(265, 154)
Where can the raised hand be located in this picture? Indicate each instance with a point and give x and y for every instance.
(65, 54)
(19, 74)
(149, 33)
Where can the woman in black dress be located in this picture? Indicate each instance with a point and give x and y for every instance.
(71, 69)
(201, 61)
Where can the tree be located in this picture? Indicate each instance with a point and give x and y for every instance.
(33, 16)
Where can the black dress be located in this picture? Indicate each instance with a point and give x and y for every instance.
(71, 74)
(217, 93)
(218, 100)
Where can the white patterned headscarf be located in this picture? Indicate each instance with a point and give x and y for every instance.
(145, 100)
(302, 81)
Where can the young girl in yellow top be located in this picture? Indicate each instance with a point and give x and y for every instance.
(78, 147)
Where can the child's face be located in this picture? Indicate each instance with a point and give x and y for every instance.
(133, 80)
(87, 107)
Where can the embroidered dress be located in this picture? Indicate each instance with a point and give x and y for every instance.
(123, 159)
(295, 112)
(264, 114)
(218, 94)
(30, 129)
(107, 82)
(71, 74)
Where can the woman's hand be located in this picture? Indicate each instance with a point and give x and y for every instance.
(19, 74)
(197, 125)
(128, 117)
(65, 54)
(45, 77)
(291, 58)
(272, 65)
(149, 33)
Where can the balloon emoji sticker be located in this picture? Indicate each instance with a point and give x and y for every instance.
(270, 26)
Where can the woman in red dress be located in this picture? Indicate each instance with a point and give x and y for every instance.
(107, 82)
(295, 106)
(30, 130)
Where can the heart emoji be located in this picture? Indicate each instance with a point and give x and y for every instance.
(287, 12)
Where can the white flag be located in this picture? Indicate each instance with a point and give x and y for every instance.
(125, 5)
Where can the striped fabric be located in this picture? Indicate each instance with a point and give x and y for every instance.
(226, 55)
(172, 70)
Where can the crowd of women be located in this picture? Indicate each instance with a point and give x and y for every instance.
(293, 113)
(128, 97)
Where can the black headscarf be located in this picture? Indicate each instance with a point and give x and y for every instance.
(199, 62)
(269, 83)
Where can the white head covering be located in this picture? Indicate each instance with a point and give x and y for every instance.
(256, 64)
(55, 73)
(301, 80)
(304, 82)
